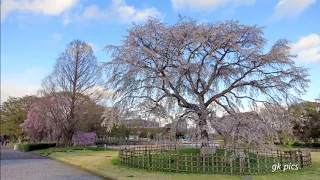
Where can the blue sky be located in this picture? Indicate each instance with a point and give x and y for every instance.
(34, 32)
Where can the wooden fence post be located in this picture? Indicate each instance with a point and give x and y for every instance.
(203, 163)
(169, 162)
(191, 162)
(143, 155)
(212, 163)
(265, 163)
(281, 161)
(177, 162)
(258, 163)
(186, 162)
(248, 162)
(231, 165)
(310, 161)
(131, 161)
(150, 160)
(198, 163)
(240, 164)
(301, 159)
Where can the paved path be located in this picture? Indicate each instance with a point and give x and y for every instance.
(17, 165)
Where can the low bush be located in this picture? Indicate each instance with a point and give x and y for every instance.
(35, 146)
(287, 143)
(100, 142)
(298, 144)
(310, 145)
(315, 144)
(115, 161)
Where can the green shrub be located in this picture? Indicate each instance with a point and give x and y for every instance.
(35, 146)
(100, 142)
(315, 144)
(115, 162)
(23, 147)
(297, 143)
(286, 143)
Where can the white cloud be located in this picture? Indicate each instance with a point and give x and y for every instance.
(99, 90)
(66, 21)
(307, 48)
(128, 14)
(94, 12)
(45, 7)
(120, 11)
(94, 47)
(57, 36)
(68, 10)
(208, 5)
(17, 90)
(291, 8)
(21, 84)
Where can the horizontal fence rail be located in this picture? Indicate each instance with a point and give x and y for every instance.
(228, 161)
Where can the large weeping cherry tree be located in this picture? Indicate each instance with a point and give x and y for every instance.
(204, 68)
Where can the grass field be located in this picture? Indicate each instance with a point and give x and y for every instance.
(105, 163)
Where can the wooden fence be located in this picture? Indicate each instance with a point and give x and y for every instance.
(226, 161)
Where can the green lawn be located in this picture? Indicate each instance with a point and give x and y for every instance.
(104, 163)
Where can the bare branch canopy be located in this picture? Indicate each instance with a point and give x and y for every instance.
(224, 65)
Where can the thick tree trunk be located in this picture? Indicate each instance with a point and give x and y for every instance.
(68, 138)
(69, 141)
(20, 139)
(225, 139)
(204, 135)
(58, 140)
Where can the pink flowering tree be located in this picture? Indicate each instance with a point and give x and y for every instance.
(48, 119)
(35, 124)
(40, 123)
(84, 139)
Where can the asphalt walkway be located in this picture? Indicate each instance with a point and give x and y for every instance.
(17, 165)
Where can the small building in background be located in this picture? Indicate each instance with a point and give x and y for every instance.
(140, 123)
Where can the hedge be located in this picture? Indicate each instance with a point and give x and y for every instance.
(315, 144)
(35, 146)
(301, 144)
(297, 143)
